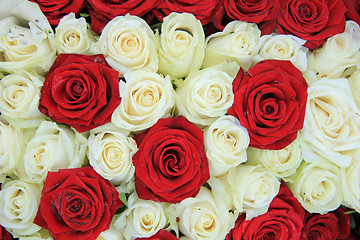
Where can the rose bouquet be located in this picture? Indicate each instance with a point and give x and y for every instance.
(162, 119)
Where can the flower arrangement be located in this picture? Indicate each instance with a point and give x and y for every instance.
(162, 119)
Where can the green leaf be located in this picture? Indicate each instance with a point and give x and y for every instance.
(123, 198)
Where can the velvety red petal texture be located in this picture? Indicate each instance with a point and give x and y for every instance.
(5, 235)
(203, 10)
(282, 221)
(353, 10)
(80, 91)
(313, 21)
(270, 102)
(55, 10)
(102, 11)
(333, 225)
(160, 235)
(170, 164)
(77, 204)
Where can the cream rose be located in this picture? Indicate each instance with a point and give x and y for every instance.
(350, 184)
(204, 217)
(225, 143)
(52, 147)
(207, 94)
(282, 163)
(73, 35)
(145, 98)
(142, 218)
(338, 53)
(317, 186)
(110, 154)
(252, 188)
(239, 41)
(354, 81)
(19, 99)
(128, 44)
(180, 45)
(111, 234)
(12, 147)
(283, 47)
(26, 37)
(332, 123)
(19, 203)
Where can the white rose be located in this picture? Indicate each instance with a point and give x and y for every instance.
(26, 37)
(12, 147)
(225, 144)
(338, 53)
(142, 218)
(239, 41)
(252, 188)
(52, 147)
(332, 123)
(354, 81)
(204, 217)
(283, 47)
(110, 234)
(110, 154)
(19, 99)
(350, 184)
(19, 203)
(73, 35)
(180, 45)
(282, 163)
(145, 98)
(128, 44)
(317, 186)
(207, 94)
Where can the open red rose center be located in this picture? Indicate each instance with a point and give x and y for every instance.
(305, 12)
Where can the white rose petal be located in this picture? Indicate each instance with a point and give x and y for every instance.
(142, 218)
(73, 35)
(332, 123)
(110, 154)
(111, 234)
(19, 203)
(351, 185)
(283, 47)
(180, 45)
(207, 94)
(52, 147)
(128, 44)
(225, 143)
(145, 98)
(317, 186)
(19, 99)
(239, 41)
(354, 81)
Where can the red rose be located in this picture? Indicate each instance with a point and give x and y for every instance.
(270, 102)
(353, 10)
(283, 220)
(333, 225)
(102, 11)
(313, 21)
(76, 204)
(160, 235)
(55, 10)
(203, 10)
(5, 235)
(262, 12)
(80, 91)
(170, 164)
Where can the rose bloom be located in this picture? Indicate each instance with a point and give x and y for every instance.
(26, 37)
(19, 203)
(54, 11)
(238, 42)
(76, 203)
(180, 45)
(102, 11)
(263, 13)
(282, 221)
(80, 91)
(270, 103)
(160, 235)
(351, 185)
(73, 35)
(313, 21)
(353, 10)
(142, 218)
(332, 225)
(203, 10)
(354, 81)
(171, 163)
